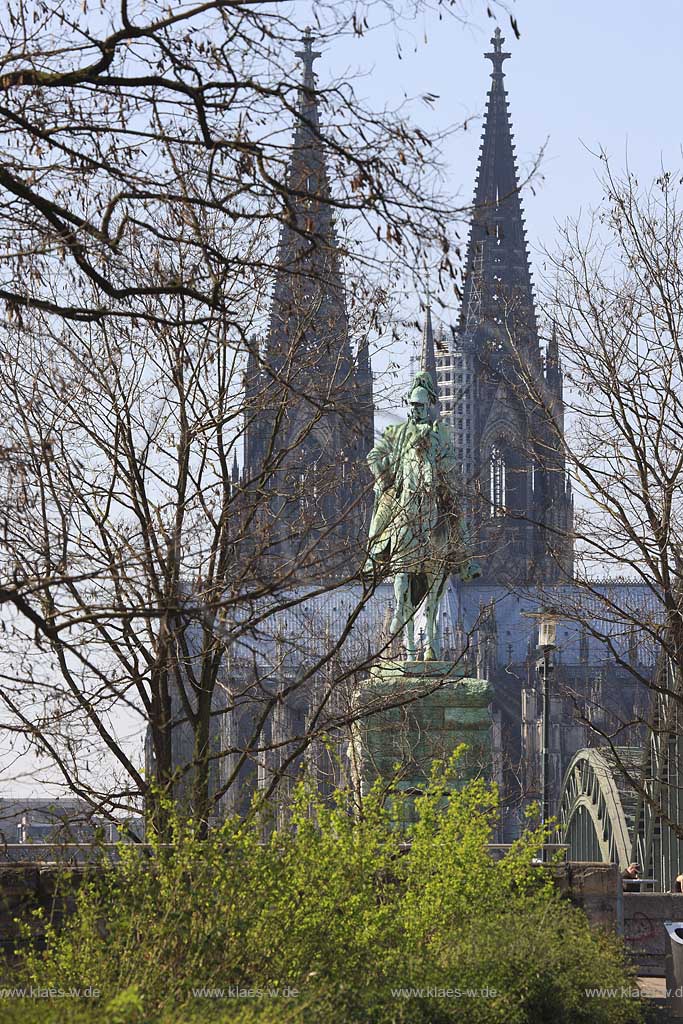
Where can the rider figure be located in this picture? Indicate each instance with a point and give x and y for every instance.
(417, 533)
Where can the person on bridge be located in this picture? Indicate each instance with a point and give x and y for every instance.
(630, 878)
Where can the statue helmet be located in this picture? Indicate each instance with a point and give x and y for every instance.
(420, 394)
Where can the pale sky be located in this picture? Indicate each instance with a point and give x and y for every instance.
(583, 75)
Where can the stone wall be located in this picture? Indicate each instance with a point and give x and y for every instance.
(644, 932)
(596, 888)
(638, 916)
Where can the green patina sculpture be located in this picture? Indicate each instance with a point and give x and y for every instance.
(417, 533)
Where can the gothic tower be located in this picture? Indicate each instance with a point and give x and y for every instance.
(503, 406)
(310, 420)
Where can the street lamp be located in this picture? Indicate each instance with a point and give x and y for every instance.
(547, 643)
(547, 637)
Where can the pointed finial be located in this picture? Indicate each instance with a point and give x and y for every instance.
(364, 355)
(498, 55)
(308, 55)
(428, 356)
(553, 368)
(252, 355)
(553, 351)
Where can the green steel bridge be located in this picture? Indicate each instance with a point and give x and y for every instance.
(624, 804)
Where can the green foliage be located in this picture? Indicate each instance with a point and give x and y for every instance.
(330, 919)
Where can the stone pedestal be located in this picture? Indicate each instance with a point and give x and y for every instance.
(416, 712)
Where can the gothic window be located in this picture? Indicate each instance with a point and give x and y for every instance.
(497, 481)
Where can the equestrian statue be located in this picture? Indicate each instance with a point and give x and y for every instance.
(417, 533)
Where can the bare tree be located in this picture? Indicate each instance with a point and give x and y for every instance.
(100, 108)
(615, 300)
(145, 175)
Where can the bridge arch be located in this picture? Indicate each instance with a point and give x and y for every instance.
(592, 817)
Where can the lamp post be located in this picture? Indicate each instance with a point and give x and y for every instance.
(547, 636)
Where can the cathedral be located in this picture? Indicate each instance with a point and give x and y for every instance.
(308, 428)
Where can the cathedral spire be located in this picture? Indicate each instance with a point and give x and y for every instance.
(498, 295)
(308, 297)
(521, 512)
(309, 419)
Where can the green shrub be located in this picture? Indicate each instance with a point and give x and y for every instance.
(332, 910)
